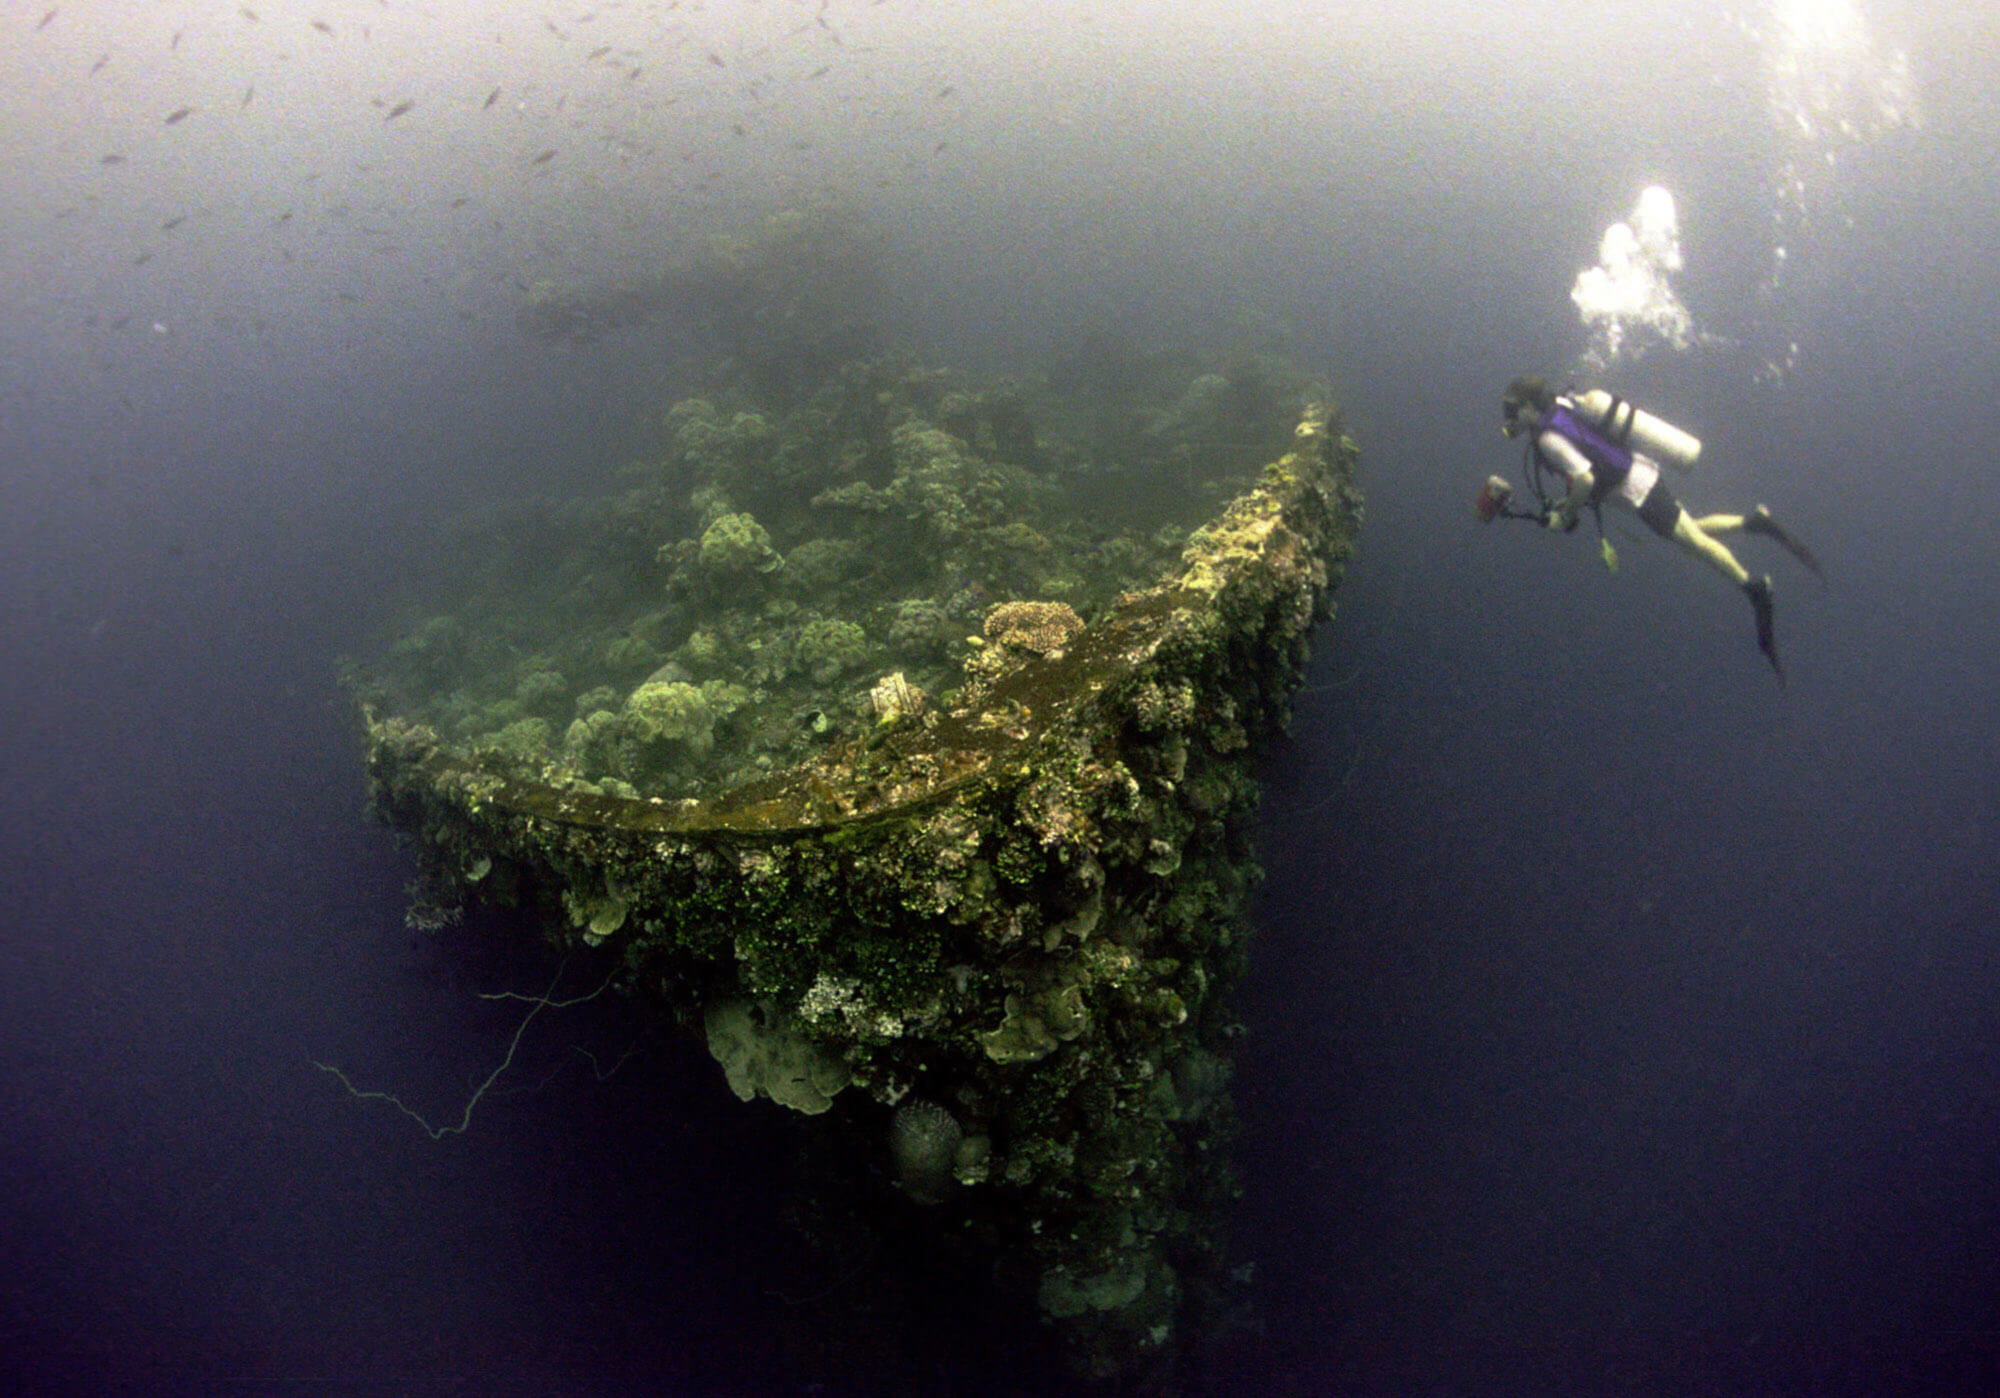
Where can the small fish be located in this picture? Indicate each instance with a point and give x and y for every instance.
(633, 76)
(121, 322)
(285, 217)
(818, 72)
(247, 13)
(597, 53)
(407, 104)
(491, 98)
(47, 20)
(98, 66)
(460, 202)
(175, 222)
(248, 93)
(715, 59)
(142, 259)
(179, 115)
(323, 27)
(945, 92)
(173, 44)
(544, 158)
(113, 159)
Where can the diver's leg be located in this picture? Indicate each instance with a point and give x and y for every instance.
(1759, 521)
(1693, 536)
(1667, 517)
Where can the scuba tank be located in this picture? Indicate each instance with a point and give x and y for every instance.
(1636, 429)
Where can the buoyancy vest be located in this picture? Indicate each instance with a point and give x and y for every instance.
(1610, 463)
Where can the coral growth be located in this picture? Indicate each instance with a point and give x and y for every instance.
(948, 847)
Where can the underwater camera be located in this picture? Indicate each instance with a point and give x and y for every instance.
(1493, 498)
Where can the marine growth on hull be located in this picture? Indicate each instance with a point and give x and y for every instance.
(894, 732)
(774, 578)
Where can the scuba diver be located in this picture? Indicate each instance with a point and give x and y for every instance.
(1605, 450)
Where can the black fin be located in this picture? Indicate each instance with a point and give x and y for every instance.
(1759, 521)
(1759, 591)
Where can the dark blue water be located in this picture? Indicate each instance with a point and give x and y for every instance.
(1629, 1024)
(1619, 1021)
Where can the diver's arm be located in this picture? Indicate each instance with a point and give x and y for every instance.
(1557, 450)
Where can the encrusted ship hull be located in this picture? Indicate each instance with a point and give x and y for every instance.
(988, 942)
